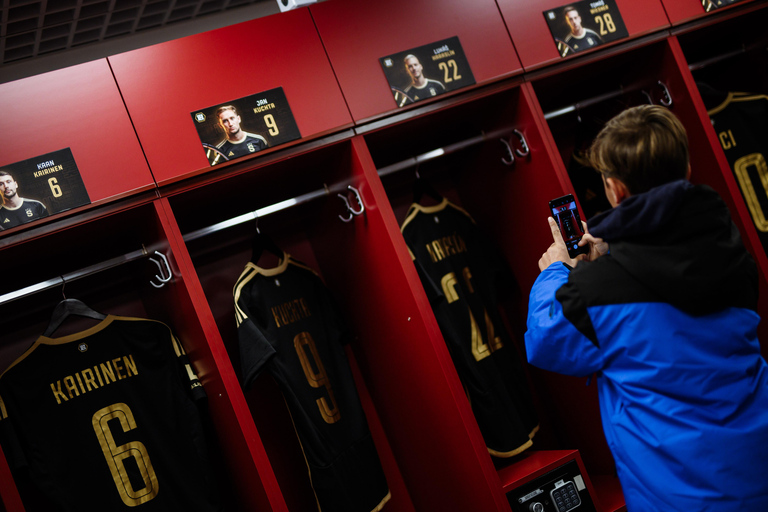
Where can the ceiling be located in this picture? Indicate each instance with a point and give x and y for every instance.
(42, 35)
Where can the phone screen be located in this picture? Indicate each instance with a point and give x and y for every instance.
(566, 214)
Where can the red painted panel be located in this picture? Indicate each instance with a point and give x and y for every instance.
(533, 39)
(78, 107)
(356, 34)
(681, 11)
(164, 83)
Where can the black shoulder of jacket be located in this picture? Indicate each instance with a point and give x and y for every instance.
(598, 283)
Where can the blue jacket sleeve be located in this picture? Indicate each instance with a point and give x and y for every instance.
(552, 342)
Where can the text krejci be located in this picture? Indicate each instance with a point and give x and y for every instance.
(90, 379)
(290, 312)
(446, 246)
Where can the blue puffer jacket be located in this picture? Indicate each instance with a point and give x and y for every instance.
(667, 321)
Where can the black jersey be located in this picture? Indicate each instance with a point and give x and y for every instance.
(252, 143)
(431, 88)
(588, 40)
(104, 419)
(741, 123)
(463, 275)
(288, 324)
(27, 212)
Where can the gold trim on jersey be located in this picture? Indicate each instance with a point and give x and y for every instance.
(735, 97)
(415, 208)
(252, 270)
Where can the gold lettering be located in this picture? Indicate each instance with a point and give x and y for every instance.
(108, 372)
(130, 365)
(118, 368)
(69, 383)
(80, 382)
(290, 312)
(438, 250)
(57, 392)
(90, 380)
(98, 375)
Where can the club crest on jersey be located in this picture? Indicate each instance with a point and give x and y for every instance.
(29, 213)
(83, 347)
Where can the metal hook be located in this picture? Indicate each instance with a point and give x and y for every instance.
(162, 269)
(63, 284)
(511, 160)
(526, 150)
(648, 97)
(667, 99)
(352, 211)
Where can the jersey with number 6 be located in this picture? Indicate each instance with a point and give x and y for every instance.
(288, 325)
(741, 123)
(105, 419)
(464, 276)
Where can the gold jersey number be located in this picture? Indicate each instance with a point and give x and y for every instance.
(316, 376)
(480, 347)
(116, 455)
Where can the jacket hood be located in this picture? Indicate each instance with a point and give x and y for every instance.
(678, 240)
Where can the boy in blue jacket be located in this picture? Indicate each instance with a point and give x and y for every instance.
(663, 311)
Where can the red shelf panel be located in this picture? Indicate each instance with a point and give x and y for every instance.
(164, 83)
(80, 108)
(356, 34)
(533, 40)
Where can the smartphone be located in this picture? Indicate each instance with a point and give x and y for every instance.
(566, 214)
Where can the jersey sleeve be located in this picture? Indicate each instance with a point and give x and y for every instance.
(196, 390)
(255, 348)
(552, 341)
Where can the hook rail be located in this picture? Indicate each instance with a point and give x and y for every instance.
(91, 270)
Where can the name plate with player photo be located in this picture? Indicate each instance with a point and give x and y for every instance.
(430, 70)
(584, 25)
(245, 126)
(711, 5)
(39, 187)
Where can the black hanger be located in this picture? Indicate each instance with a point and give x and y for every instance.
(67, 308)
(260, 243)
(421, 187)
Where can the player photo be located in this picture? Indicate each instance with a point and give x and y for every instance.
(245, 126)
(38, 187)
(427, 71)
(584, 25)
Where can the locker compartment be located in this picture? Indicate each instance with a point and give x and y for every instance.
(727, 63)
(476, 172)
(111, 271)
(353, 259)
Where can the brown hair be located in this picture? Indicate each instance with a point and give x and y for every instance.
(643, 147)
